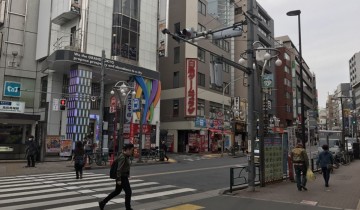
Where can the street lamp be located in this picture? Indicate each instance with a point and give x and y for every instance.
(264, 54)
(122, 91)
(297, 13)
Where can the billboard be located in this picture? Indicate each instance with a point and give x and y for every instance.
(191, 87)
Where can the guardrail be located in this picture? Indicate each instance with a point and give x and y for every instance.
(238, 176)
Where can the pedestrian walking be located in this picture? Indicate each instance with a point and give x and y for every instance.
(122, 180)
(301, 164)
(325, 161)
(164, 148)
(31, 151)
(79, 159)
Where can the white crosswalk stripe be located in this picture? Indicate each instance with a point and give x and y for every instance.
(60, 191)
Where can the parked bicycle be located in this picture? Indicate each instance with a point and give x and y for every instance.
(151, 154)
(342, 158)
(233, 150)
(98, 158)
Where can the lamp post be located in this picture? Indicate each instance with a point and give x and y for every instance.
(264, 54)
(122, 92)
(297, 13)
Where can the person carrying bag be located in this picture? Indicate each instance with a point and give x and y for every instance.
(326, 162)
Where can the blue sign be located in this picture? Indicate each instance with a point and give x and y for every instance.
(136, 105)
(12, 89)
(200, 122)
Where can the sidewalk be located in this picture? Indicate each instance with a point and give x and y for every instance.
(343, 193)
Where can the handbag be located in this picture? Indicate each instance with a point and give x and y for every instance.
(329, 166)
(310, 175)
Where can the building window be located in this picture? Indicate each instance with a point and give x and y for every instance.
(226, 67)
(73, 36)
(227, 89)
(201, 28)
(175, 108)
(286, 69)
(44, 84)
(201, 108)
(201, 8)
(176, 80)
(201, 55)
(286, 56)
(125, 31)
(176, 55)
(214, 109)
(201, 79)
(177, 27)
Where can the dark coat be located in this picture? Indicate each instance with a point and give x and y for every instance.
(325, 158)
(31, 148)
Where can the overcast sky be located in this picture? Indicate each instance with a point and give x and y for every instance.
(330, 36)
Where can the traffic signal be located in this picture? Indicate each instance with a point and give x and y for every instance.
(62, 104)
(353, 121)
(185, 34)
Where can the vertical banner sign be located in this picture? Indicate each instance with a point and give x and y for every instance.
(113, 103)
(128, 113)
(191, 87)
(56, 104)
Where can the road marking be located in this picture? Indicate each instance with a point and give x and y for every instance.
(311, 203)
(30, 192)
(26, 188)
(185, 207)
(184, 171)
(132, 186)
(47, 203)
(38, 197)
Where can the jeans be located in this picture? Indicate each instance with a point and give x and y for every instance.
(125, 184)
(300, 178)
(326, 174)
(31, 159)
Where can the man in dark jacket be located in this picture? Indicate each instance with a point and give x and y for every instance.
(164, 148)
(301, 164)
(325, 161)
(31, 151)
(122, 181)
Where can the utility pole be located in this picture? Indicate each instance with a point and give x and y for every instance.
(141, 130)
(101, 114)
(251, 99)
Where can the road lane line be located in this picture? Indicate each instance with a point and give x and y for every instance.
(37, 197)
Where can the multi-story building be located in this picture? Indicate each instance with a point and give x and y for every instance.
(309, 81)
(354, 70)
(343, 105)
(64, 62)
(263, 33)
(19, 87)
(191, 101)
(322, 125)
(331, 117)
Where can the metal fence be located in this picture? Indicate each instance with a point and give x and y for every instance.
(239, 176)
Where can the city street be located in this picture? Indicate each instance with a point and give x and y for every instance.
(193, 176)
(193, 182)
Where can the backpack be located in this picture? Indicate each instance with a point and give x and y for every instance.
(297, 155)
(113, 169)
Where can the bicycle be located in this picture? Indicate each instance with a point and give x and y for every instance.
(98, 158)
(154, 154)
(343, 158)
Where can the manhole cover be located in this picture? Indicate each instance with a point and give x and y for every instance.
(310, 203)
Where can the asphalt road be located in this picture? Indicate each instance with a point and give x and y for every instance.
(200, 174)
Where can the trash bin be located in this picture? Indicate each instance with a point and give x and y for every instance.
(162, 155)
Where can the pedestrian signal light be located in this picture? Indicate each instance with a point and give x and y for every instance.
(62, 104)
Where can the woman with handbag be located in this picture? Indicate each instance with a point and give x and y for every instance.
(79, 156)
(325, 161)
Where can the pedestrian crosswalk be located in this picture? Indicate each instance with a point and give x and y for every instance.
(61, 191)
